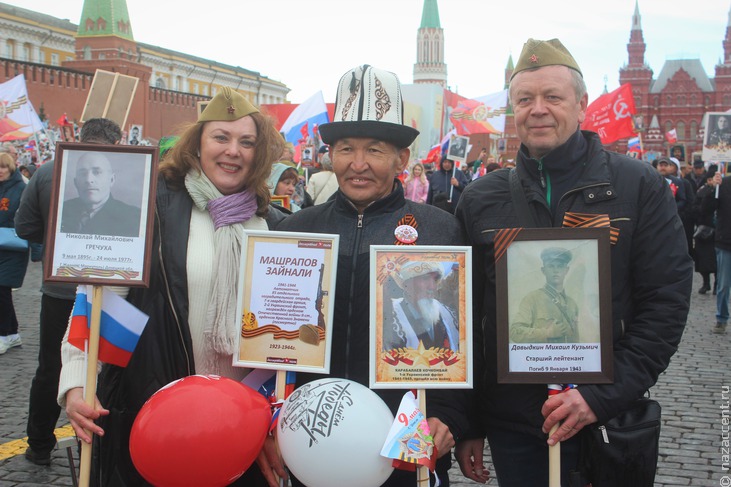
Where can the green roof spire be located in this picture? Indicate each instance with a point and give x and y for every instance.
(510, 65)
(430, 15)
(105, 18)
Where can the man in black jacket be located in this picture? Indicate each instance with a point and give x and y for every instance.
(369, 148)
(57, 300)
(669, 167)
(722, 206)
(697, 176)
(561, 169)
(449, 182)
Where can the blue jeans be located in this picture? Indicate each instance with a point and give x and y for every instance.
(521, 459)
(723, 283)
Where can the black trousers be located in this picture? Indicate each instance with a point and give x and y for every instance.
(43, 410)
(521, 459)
(8, 320)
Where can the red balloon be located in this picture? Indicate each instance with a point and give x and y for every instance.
(202, 431)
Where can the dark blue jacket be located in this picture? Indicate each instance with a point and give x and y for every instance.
(441, 182)
(12, 264)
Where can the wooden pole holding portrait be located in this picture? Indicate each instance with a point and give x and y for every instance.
(100, 250)
(422, 472)
(285, 303)
(554, 459)
(439, 357)
(542, 340)
(92, 358)
(280, 392)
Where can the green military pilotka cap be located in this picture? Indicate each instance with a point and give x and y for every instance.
(228, 105)
(536, 54)
(556, 254)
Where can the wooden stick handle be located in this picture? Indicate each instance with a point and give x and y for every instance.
(554, 460)
(422, 472)
(90, 387)
(280, 391)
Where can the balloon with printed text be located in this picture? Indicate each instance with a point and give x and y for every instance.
(330, 433)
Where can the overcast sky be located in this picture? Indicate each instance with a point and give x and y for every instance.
(309, 44)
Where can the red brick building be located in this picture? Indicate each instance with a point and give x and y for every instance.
(59, 59)
(677, 98)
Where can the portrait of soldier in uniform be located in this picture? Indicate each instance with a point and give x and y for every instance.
(547, 314)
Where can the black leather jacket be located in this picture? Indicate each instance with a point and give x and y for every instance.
(722, 207)
(164, 352)
(375, 226)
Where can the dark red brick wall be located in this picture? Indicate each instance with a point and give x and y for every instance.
(62, 90)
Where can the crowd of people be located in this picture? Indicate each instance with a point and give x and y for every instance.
(231, 170)
(693, 186)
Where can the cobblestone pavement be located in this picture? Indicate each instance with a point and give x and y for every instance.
(690, 392)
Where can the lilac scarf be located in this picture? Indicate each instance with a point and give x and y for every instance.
(229, 213)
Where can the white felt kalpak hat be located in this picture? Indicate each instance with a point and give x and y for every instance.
(369, 104)
(414, 269)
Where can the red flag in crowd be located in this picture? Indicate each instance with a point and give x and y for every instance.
(484, 115)
(610, 115)
(305, 131)
(63, 121)
(434, 155)
(672, 136)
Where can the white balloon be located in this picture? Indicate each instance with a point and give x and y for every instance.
(330, 433)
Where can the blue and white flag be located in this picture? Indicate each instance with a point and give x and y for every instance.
(301, 121)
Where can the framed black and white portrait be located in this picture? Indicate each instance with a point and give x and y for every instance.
(101, 214)
(457, 150)
(717, 139)
(135, 135)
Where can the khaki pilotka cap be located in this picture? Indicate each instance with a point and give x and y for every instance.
(536, 54)
(228, 105)
(556, 254)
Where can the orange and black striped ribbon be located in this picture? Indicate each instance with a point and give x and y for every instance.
(589, 220)
(503, 238)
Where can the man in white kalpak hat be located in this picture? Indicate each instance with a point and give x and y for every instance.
(369, 147)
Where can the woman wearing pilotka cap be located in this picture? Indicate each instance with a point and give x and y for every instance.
(212, 184)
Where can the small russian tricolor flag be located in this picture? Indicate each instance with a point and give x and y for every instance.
(633, 144)
(121, 326)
